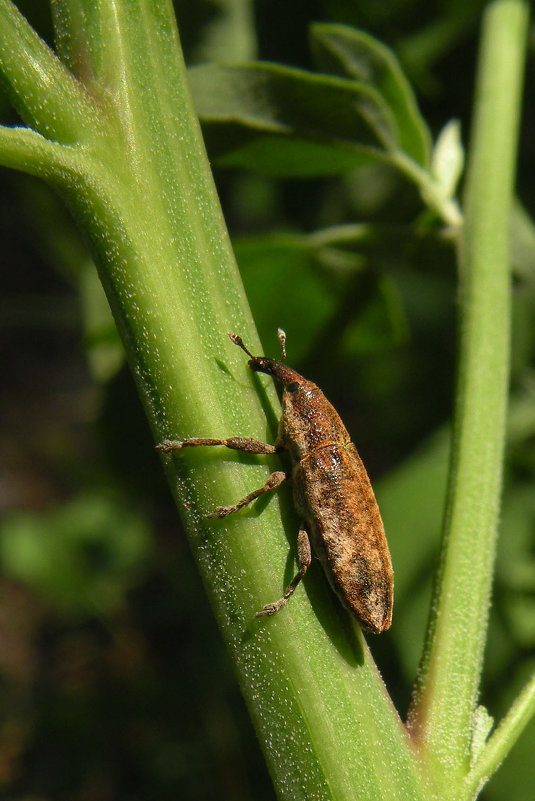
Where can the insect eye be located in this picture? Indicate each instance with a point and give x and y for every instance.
(293, 387)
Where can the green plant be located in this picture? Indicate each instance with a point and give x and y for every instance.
(112, 128)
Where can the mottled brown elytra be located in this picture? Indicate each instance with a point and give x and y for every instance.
(332, 493)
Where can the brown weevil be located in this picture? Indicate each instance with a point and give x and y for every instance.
(332, 494)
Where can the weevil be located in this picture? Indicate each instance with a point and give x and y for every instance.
(332, 494)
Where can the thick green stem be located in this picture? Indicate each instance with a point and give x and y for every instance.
(138, 182)
(442, 712)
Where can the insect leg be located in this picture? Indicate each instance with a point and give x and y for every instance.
(246, 444)
(305, 557)
(274, 481)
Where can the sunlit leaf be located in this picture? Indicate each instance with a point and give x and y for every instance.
(351, 53)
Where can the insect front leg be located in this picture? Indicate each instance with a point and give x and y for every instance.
(274, 481)
(245, 444)
(304, 555)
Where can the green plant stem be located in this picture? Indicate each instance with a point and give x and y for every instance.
(42, 90)
(136, 178)
(440, 718)
(501, 741)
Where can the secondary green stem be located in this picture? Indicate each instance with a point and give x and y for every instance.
(440, 718)
(501, 741)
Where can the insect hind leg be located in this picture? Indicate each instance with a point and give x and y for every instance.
(304, 555)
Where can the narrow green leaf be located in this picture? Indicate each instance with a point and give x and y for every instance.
(288, 122)
(448, 159)
(351, 53)
(481, 727)
(291, 122)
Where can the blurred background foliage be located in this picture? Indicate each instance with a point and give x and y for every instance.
(113, 680)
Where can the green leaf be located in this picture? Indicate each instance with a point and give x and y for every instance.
(448, 159)
(523, 243)
(330, 279)
(516, 565)
(351, 53)
(482, 724)
(265, 265)
(411, 499)
(287, 122)
(284, 121)
(82, 556)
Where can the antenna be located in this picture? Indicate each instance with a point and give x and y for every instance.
(239, 342)
(282, 339)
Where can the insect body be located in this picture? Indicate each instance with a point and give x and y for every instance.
(332, 493)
